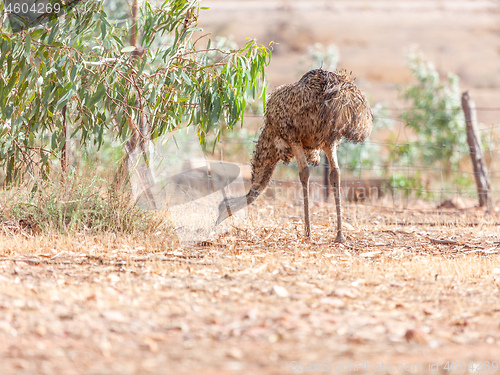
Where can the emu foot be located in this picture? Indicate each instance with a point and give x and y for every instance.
(307, 233)
(308, 237)
(340, 238)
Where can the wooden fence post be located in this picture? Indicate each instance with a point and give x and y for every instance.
(476, 151)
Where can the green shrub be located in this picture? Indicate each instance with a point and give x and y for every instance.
(320, 56)
(410, 186)
(435, 115)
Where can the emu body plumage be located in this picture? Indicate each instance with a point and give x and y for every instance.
(301, 119)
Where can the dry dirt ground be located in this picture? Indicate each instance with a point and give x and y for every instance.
(407, 289)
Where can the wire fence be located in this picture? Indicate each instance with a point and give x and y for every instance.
(385, 181)
(379, 181)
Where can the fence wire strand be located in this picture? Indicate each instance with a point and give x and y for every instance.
(398, 185)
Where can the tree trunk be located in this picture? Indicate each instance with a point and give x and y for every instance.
(138, 126)
(133, 29)
(326, 179)
(476, 151)
(65, 149)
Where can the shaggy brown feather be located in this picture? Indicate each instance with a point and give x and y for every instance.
(316, 113)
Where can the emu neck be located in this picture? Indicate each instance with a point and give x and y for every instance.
(264, 161)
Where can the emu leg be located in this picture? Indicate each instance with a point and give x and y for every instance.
(298, 151)
(331, 154)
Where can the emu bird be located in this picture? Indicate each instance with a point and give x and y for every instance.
(300, 119)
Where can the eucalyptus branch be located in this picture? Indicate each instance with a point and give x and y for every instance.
(51, 69)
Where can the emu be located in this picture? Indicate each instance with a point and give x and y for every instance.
(301, 119)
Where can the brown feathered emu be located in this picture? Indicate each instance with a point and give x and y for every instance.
(301, 119)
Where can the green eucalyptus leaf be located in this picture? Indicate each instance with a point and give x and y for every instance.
(128, 49)
(77, 62)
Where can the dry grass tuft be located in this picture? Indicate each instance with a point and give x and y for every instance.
(77, 203)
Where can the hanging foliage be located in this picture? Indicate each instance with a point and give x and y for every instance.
(80, 62)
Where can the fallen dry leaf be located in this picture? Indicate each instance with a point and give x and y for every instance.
(280, 291)
(415, 335)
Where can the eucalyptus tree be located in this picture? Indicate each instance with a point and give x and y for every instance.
(79, 69)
